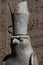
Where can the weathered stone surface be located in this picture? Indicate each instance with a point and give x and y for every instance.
(35, 27)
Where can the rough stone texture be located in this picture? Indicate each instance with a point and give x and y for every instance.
(35, 28)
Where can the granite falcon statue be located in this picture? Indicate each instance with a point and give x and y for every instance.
(22, 52)
(21, 49)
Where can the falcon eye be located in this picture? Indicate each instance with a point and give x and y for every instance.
(20, 39)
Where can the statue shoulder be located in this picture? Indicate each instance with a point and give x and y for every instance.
(7, 57)
(33, 59)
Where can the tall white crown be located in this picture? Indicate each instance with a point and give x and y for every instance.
(21, 18)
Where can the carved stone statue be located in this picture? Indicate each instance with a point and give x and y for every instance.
(21, 49)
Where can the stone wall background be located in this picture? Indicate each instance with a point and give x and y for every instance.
(35, 28)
